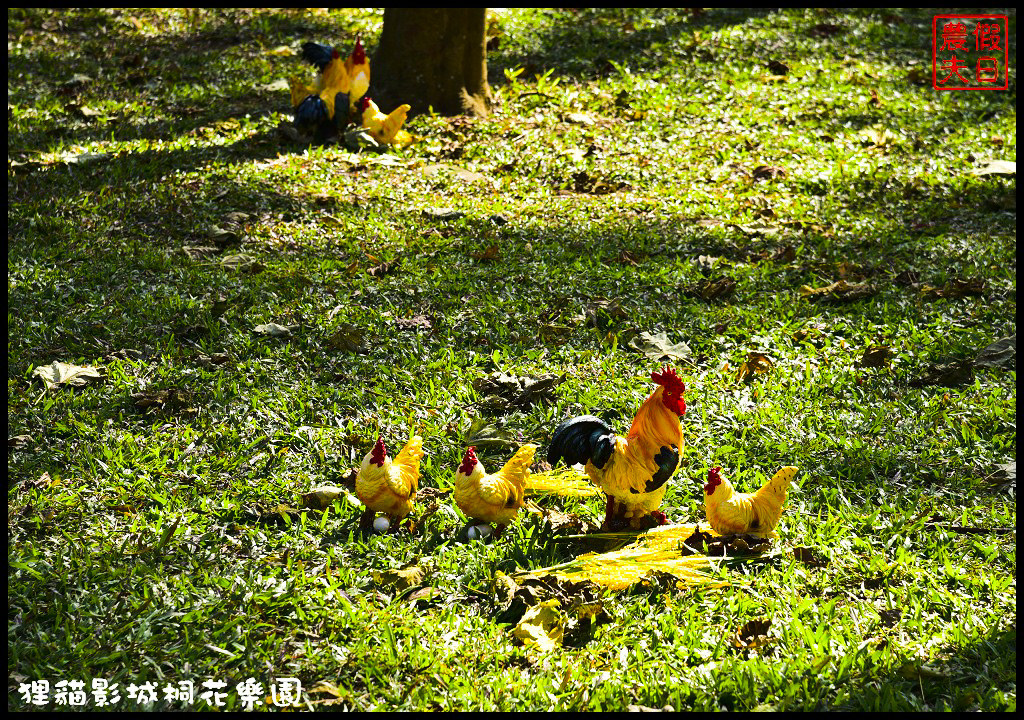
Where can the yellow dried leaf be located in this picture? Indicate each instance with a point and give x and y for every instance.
(542, 626)
(756, 364)
(59, 373)
(877, 356)
(400, 579)
(838, 292)
(321, 498)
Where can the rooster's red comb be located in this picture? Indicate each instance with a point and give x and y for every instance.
(714, 480)
(358, 53)
(668, 378)
(379, 452)
(469, 461)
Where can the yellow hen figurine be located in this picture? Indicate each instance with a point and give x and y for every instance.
(756, 513)
(383, 128)
(388, 486)
(494, 498)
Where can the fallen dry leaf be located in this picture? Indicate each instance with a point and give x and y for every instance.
(809, 556)
(579, 118)
(275, 330)
(712, 289)
(542, 626)
(768, 172)
(491, 253)
(320, 498)
(60, 373)
(41, 483)
(563, 523)
(825, 30)
(241, 262)
(1000, 354)
(947, 375)
(603, 314)
(752, 634)
(658, 347)
(383, 269)
(877, 356)
(838, 292)
(401, 579)
(504, 393)
(583, 182)
(168, 398)
(199, 251)
(998, 167)
(416, 322)
(19, 442)
(782, 254)
(444, 214)
(757, 363)
(955, 288)
(347, 338)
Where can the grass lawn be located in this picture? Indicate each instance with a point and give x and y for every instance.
(650, 184)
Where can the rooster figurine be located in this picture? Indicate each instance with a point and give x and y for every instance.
(357, 67)
(388, 486)
(385, 129)
(633, 470)
(756, 513)
(317, 107)
(494, 498)
(324, 108)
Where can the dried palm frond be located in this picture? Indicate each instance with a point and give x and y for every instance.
(564, 482)
(658, 550)
(663, 549)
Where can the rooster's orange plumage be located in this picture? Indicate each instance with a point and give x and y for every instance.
(316, 106)
(633, 471)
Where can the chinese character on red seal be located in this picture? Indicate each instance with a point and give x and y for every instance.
(970, 52)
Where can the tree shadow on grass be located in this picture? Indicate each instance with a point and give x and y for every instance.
(589, 42)
(979, 675)
(163, 84)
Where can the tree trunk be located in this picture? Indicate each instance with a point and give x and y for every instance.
(432, 58)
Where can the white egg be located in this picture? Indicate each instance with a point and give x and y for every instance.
(381, 524)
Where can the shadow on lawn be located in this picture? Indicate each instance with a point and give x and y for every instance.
(964, 678)
(121, 62)
(588, 42)
(177, 215)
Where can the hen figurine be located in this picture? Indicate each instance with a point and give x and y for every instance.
(756, 513)
(633, 470)
(494, 498)
(385, 129)
(388, 486)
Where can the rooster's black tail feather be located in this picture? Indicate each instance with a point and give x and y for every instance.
(580, 439)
